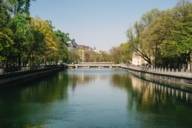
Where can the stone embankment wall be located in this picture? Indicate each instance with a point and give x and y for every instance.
(181, 80)
(14, 78)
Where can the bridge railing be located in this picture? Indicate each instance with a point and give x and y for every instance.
(96, 63)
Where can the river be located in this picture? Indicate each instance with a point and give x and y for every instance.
(94, 98)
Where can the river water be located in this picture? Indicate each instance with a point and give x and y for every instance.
(94, 98)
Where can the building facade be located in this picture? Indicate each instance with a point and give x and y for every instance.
(137, 60)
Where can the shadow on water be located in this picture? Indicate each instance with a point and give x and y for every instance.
(124, 100)
(28, 105)
(155, 104)
(21, 106)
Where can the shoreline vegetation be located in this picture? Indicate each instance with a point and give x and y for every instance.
(161, 38)
(28, 41)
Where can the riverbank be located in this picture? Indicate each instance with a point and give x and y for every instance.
(179, 80)
(14, 78)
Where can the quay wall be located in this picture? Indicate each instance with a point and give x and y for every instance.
(14, 78)
(179, 80)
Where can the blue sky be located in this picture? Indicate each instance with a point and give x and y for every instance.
(97, 23)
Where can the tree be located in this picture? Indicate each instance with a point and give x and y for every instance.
(63, 43)
(122, 53)
(18, 6)
(25, 40)
(51, 46)
(22, 37)
(135, 34)
(63, 37)
(163, 38)
(6, 44)
(73, 56)
(5, 33)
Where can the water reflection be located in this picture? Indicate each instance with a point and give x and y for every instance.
(158, 103)
(29, 105)
(85, 76)
(102, 98)
(77, 78)
(148, 93)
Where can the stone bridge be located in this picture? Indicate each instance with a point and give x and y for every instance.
(94, 65)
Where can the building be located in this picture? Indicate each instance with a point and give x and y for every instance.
(83, 49)
(72, 45)
(137, 60)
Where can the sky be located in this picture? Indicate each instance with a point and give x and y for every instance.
(96, 23)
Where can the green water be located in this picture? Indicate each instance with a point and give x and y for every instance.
(94, 98)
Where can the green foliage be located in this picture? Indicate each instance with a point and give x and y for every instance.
(63, 37)
(22, 37)
(18, 6)
(88, 55)
(63, 43)
(20, 25)
(54, 44)
(121, 54)
(74, 56)
(6, 44)
(4, 16)
(25, 40)
(163, 38)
